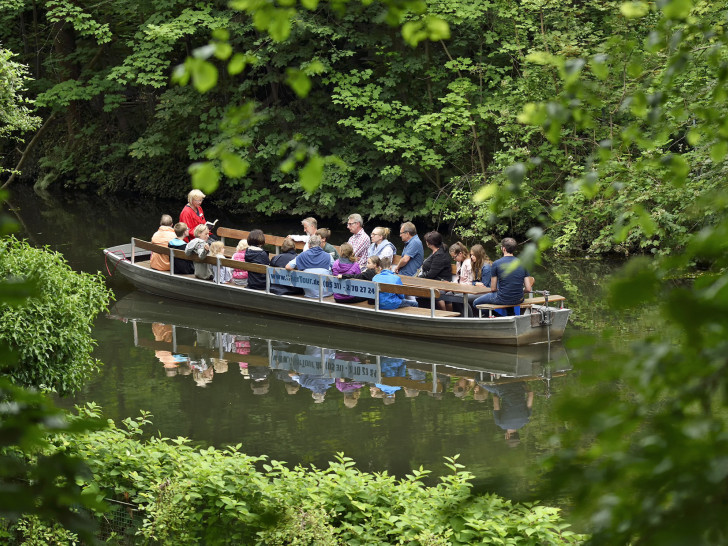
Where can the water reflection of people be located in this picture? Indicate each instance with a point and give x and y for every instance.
(259, 382)
(462, 387)
(163, 333)
(317, 384)
(512, 403)
(350, 389)
(385, 392)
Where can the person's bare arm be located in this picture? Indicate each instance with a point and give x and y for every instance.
(528, 283)
(493, 284)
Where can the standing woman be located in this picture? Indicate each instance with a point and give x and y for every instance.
(192, 214)
(380, 246)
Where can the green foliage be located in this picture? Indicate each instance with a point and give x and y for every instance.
(644, 455)
(50, 331)
(15, 109)
(194, 496)
(36, 487)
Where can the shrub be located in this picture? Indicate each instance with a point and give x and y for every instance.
(50, 331)
(215, 496)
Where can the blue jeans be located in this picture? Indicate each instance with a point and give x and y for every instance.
(486, 298)
(408, 303)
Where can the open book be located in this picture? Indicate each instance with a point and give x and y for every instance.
(211, 225)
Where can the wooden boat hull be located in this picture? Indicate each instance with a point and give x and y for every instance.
(513, 331)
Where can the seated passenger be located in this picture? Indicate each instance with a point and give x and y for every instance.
(481, 266)
(437, 265)
(506, 285)
(240, 277)
(256, 255)
(459, 252)
(199, 247)
(387, 300)
(347, 264)
(481, 271)
(366, 275)
(181, 266)
(313, 260)
(288, 253)
(380, 245)
(224, 274)
(163, 236)
(325, 233)
(309, 227)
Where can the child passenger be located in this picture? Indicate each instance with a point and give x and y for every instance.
(199, 247)
(387, 300)
(240, 277)
(223, 274)
(368, 274)
(181, 267)
(459, 252)
(347, 264)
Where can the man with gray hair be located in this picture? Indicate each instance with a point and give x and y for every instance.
(309, 227)
(359, 240)
(313, 260)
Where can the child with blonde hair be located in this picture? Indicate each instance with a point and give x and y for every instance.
(240, 277)
(220, 274)
(199, 247)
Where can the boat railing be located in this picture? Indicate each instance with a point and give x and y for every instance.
(298, 279)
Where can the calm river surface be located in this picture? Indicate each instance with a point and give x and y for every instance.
(301, 393)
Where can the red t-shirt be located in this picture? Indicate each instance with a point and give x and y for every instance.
(192, 219)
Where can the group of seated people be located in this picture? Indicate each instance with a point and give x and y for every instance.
(361, 257)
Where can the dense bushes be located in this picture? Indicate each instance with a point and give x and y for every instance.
(420, 130)
(212, 496)
(50, 331)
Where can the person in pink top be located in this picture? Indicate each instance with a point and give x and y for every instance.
(163, 236)
(192, 213)
(359, 240)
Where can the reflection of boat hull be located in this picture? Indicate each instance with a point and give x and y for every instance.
(514, 331)
(517, 361)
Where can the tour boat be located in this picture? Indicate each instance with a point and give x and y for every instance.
(541, 321)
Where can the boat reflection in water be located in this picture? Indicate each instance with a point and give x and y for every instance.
(328, 363)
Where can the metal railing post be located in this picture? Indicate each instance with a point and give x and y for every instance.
(321, 287)
(432, 302)
(133, 250)
(174, 338)
(218, 270)
(376, 297)
(267, 279)
(171, 261)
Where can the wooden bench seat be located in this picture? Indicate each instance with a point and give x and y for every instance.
(424, 311)
(525, 304)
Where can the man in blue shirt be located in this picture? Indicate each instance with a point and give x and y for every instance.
(413, 254)
(506, 285)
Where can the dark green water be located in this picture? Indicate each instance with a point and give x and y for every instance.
(225, 378)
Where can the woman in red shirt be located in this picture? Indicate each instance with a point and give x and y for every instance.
(192, 214)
